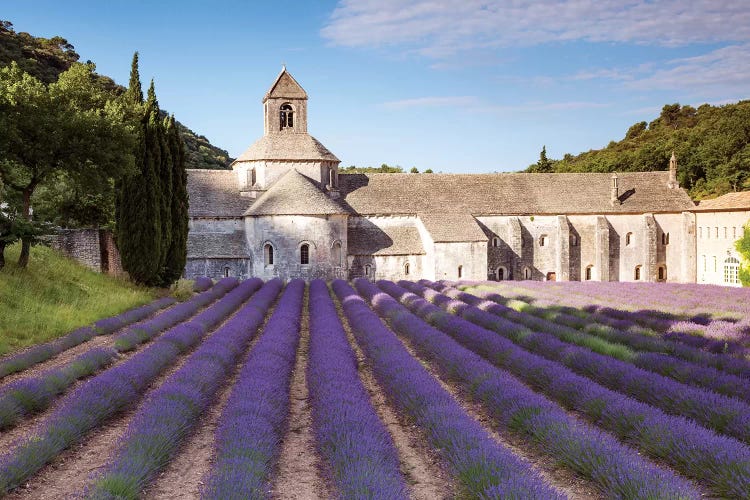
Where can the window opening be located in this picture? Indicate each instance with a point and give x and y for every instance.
(406, 269)
(460, 271)
(286, 116)
(337, 254)
(732, 271)
(500, 274)
(495, 242)
(589, 272)
(304, 254)
(628, 239)
(662, 273)
(268, 252)
(637, 273)
(226, 272)
(543, 240)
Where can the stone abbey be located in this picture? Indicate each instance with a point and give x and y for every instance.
(284, 210)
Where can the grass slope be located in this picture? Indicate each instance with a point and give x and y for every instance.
(56, 295)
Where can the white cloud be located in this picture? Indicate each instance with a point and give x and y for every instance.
(433, 102)
(439, 28)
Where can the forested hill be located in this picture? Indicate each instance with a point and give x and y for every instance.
(46, 58)
(712, 144)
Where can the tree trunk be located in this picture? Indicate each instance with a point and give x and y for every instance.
(23, 259)
(2, 254)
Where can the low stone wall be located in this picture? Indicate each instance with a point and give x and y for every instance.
(94, 248)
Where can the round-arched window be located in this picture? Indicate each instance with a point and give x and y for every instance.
(268, 254)
(304, 254)
(286, 116)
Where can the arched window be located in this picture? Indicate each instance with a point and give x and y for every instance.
(268, 254)
(637, 275)
(286, 116)
(368, 271)
(251, 177)
(406, 269)
(336, 254)
(304, 254)
(731, 271)
(662, 273)
(226, 272)
(526, 273)
(501, 274)
(589, 273)
(665, 239)
(460, 271)
(628, 239)
(495, 242)
(543, 240)
(331, 178)
(574, 240)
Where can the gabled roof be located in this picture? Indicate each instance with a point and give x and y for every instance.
(285, 86)
(510, 194)
(216, 245)
(366, 238)
(288, 146)
(294, 194)
(215, 193)
(729, 201)
(452, 227)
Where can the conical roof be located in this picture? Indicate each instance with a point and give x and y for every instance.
(285, 86)
(287, 147)
(294, 194)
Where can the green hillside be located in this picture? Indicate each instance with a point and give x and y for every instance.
(712, 144)
(46, 58)
(55, 295)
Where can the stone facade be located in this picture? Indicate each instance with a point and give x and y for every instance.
(94, 248)
(285, 211)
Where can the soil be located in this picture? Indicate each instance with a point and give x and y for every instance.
(299, 472)
(423, 470)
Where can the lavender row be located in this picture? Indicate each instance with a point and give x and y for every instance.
(43, 352)
(682, 371)
(174, 409)
(202, 284)
(33, 394)
(726, 415)
(252, 425)
(720, 462)
(615, 469)
(111, 391)
(482, 467)
(349, 434)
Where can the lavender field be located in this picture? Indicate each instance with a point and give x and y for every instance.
(390, 390)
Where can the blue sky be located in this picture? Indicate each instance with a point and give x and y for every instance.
(452, 85)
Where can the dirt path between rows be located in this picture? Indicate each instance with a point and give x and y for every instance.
(558, 477)
(68, 475)
(421, 466)
(299, 471)
(187, 472)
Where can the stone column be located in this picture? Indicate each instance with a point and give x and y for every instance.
(602, 248)
(515, 242)
(688, 250)
(650, 240)
(562, 250)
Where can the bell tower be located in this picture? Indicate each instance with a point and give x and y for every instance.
(285, 106)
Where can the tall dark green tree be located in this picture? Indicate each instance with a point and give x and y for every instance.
(138, 213)
(544, 165)
(177, 252)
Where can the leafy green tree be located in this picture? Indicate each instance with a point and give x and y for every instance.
(543, 165)
(414, 170)
(70, 127)
(743, 247)
(177, 251)
(428, 171)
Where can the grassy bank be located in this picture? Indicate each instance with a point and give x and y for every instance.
(56, 295)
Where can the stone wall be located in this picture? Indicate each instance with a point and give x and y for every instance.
(218, 268)
(94, 248)
(716, 234)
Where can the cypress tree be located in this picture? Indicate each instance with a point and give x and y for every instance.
(138, 211)
(177, 252)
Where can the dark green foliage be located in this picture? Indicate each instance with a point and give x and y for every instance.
(712, 144)
(134, 93)
(544, 165)
(384, 169)
(177, 251)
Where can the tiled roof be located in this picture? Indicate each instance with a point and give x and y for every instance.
(285, 86)
(294, 194)
(287, 146)
(445, 227)
(729, 201)
(510, 194)
(365, 238)
(216, 245)
(215, 193)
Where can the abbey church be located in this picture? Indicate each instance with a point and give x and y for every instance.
(284, 210)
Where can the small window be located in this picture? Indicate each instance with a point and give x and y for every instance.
(708, 233)
(731, 271)
(286, 116)
(734, 233)
(406, 269)
(700, 232)
(460, 271)
(226, 272)
(495, 242)
(726, 234)
(628, 239)
(589, 273)
(268, 254)
(543, 240)
(716, 267)
(637, 275)
(662, 273)
(705, 264)
(665, 239)
(717, 232)
(304, 254)
(368, 271)
(501, 274)
(526, 273)
(574, 240)
(336, 254)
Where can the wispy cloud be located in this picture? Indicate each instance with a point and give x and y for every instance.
(440, 28)
(432, 102)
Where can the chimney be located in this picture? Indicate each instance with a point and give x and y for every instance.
(672, 183)
(614, 198)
